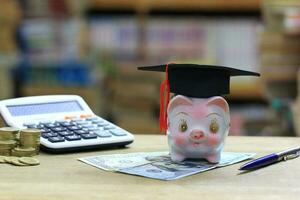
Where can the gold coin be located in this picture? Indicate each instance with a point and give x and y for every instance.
(30, 131)
(22, 152)
(9, 159)
(8, 133)
(9, 129)
(2, 159)
(7, 142)
(15, 161)
(29, 161)
(24, 149)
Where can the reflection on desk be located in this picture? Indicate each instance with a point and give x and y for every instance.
(64, 177)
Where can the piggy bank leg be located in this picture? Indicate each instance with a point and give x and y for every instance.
(214, 158)
(177, 157)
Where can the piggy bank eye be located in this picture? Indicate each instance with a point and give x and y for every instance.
(214, 126)
(183, 126)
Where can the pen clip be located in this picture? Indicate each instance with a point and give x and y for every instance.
(291, 156)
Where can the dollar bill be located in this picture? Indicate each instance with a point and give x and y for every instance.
(158, 165)
(117, 162)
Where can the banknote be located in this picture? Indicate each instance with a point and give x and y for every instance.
(163, 168)
(116, 162)
(158, 165)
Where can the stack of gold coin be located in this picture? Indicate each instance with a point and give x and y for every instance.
(29, 142)
(8, 136)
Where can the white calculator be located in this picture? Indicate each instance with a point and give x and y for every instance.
(66, 123)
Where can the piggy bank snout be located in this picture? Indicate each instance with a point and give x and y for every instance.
(197, 135)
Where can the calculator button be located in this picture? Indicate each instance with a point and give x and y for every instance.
(101, 124)
(73, 137)
(65, 123)
(91, 118)
(65, 133)
(80, 132)
(88, 126)
(45, 130)
(58, 129)
(100, 121)
(118, 132)
(56, 139)
(50, 134)
(100, 128)
(89, 136)
(97, 121)
(40, 126)
(93, 128)
(110, 127)
(84, 129)
(73, 128)
(103, 133)
(45, 122)
(51, 125)
(105, 126)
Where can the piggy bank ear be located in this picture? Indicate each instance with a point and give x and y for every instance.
(177, 101)
(220, 102)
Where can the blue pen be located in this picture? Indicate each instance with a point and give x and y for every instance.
(271, 159)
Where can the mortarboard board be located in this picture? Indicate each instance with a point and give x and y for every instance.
(199, 81)
(193, 80)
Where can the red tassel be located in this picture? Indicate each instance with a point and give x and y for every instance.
(164, 101)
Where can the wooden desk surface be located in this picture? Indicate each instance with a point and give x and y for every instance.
(63, 177)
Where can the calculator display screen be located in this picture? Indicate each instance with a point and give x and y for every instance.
(44, 108)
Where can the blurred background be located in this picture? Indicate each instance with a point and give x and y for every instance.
(92, 48)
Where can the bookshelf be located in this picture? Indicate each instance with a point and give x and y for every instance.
(116, 36)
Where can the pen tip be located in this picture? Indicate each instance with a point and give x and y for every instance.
(242, 167)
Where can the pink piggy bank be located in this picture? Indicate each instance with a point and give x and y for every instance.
(197, 127)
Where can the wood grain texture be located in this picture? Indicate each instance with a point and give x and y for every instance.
(63, 177)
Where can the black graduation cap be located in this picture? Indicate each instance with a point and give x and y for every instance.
(200, 81)
(193, 80)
